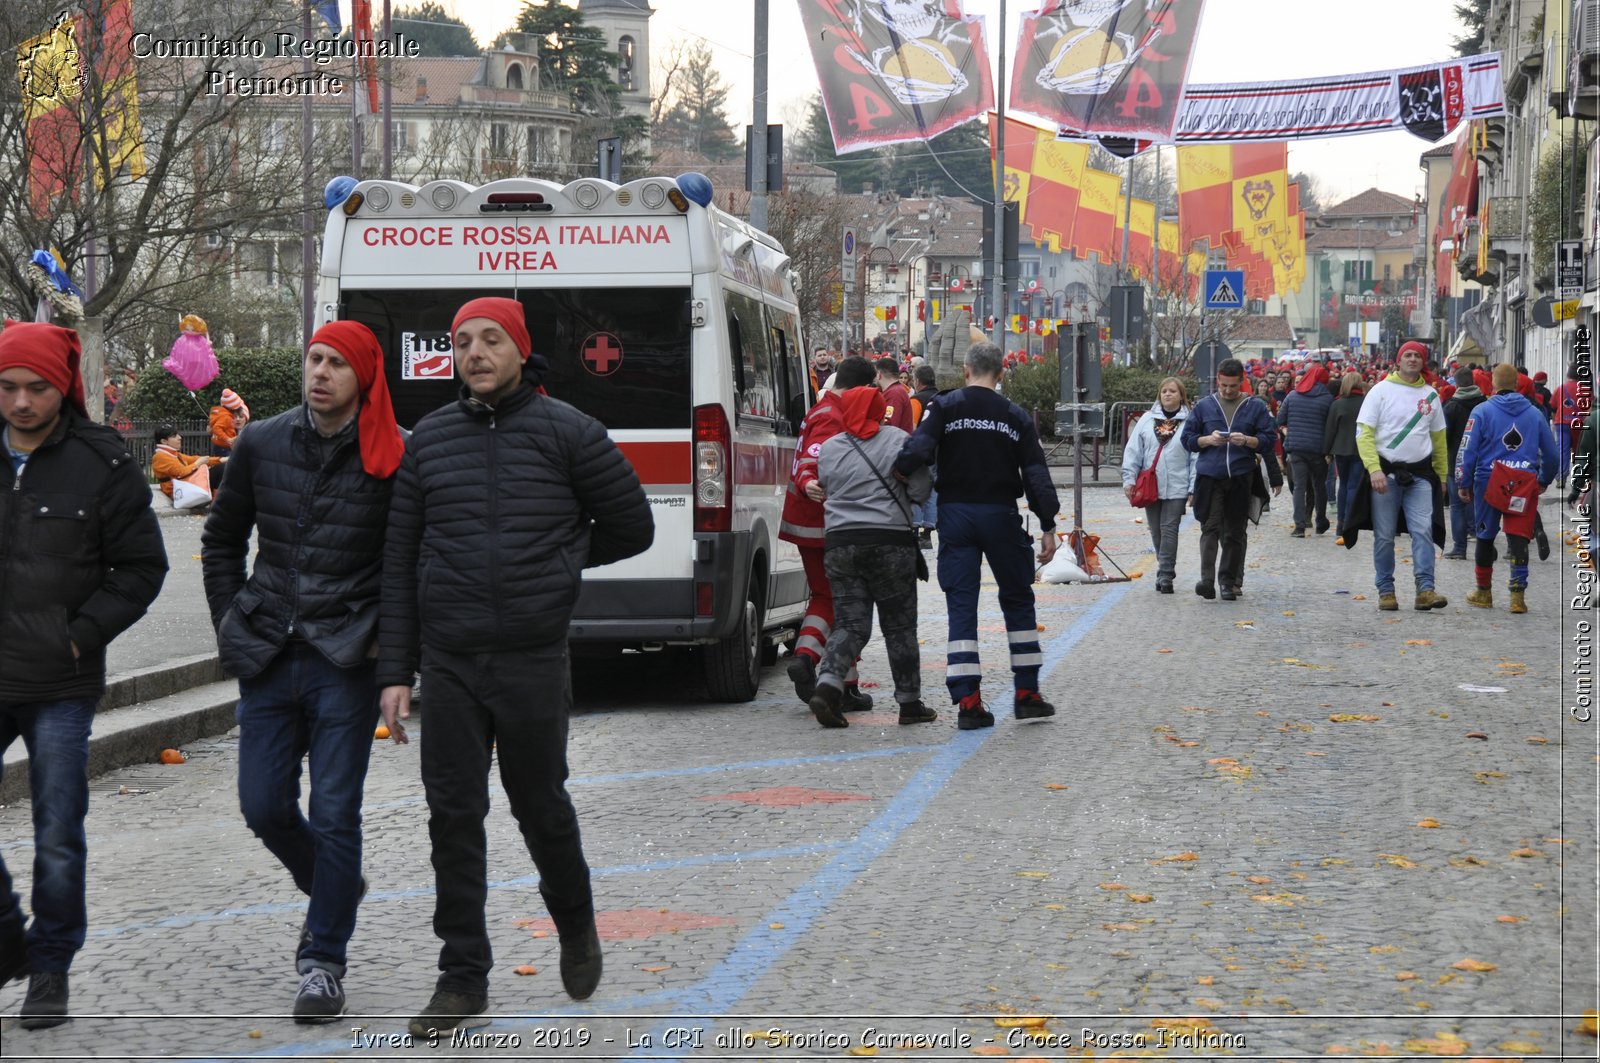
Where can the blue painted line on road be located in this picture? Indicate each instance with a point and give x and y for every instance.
(760, 950)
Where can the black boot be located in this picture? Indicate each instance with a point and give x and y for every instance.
(581, 962)
(46, 1003)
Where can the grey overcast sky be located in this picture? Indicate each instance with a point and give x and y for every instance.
(1239, 40)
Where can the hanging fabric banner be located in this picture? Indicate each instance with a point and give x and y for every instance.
(1106, 68)
(897, 70)
(1044, 175)
(1428, 101)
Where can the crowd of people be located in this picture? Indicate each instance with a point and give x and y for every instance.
(369, 567)
(1397, 450)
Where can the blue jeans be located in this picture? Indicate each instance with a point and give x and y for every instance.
(1350, 473)
(1417, 501)
(56, 734)
(926, 514)
(303, 703)
(1460, 516)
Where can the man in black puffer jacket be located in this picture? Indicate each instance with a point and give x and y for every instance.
(503, 498)
(301, 631)
(1304, 416)
(81, 559)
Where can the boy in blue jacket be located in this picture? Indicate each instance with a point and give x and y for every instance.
(1507, 457)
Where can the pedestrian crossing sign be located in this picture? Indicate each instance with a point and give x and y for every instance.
(1224, 289)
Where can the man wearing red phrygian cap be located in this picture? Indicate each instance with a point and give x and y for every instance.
(300, 632)
(503, 498)
(81, 559)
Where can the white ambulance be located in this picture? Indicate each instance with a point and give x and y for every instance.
(667, 319)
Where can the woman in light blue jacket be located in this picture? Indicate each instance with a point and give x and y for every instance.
(1163, 424)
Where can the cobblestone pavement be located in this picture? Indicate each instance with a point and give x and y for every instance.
(1285, 826)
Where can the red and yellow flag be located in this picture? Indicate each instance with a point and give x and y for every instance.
(1141, 234)
(50, 76)
(1043, 174)
(1097, 216)
(1205, 189)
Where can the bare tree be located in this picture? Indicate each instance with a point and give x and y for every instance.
(809, 225)
(219, 167)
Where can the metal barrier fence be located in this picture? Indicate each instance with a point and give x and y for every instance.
(141, 438)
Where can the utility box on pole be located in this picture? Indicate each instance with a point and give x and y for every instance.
(774, 158)
(608, 152)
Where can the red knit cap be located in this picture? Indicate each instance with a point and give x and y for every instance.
(381, 444)
(50, 351)
(507, 313)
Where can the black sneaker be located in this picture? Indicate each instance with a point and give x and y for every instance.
(13, 956)
(1228, 594)
(1298, 533)
(1030, 706)
(855, 700)
(46, 1003)
(305, 928)
(803, 674)
(1163, 586)
(581, 962)
(1206, 590)
(1456, 555)
(1323, 526)
(451, 1009)
(917, 712)
(321, 998)
(825, 706)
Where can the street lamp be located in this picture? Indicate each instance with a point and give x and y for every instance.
(877, 255)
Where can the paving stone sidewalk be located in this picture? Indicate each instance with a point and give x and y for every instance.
(1285, 820)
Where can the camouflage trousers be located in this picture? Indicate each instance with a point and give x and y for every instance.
(862, 576)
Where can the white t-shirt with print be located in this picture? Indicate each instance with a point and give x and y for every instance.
(1403, 418)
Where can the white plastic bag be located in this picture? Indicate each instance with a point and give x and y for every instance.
(187, 495)
(1063, 568)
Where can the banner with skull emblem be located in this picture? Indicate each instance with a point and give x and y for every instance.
(1429, 101)
(1106, 68)
(897, 70)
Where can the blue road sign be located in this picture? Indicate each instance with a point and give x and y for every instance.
(1224, 289)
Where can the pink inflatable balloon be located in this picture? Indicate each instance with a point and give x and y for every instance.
(192, 361)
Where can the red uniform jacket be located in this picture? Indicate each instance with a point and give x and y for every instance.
(802, 518)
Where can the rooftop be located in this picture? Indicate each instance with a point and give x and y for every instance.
(1263, 328)
(1373, 202)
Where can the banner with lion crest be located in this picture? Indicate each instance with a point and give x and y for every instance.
(897, 70)
(1106, 68)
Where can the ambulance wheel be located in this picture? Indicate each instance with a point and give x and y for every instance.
(733, 665)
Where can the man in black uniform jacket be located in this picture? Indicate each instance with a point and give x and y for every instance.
(502, 499)
(987, 452)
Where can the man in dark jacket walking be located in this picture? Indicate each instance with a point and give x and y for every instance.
(1457, 412)
(300, 632)
(1227, 429)
(81, 559)
(988, 453)
(502, 499)
(1304, 417)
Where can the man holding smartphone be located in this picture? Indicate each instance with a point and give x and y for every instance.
(1227, 429)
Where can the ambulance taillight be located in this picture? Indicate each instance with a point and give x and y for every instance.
(713, 506)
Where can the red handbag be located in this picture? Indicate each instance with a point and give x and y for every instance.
(1146, 490)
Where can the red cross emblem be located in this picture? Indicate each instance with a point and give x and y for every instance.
(602, 354)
